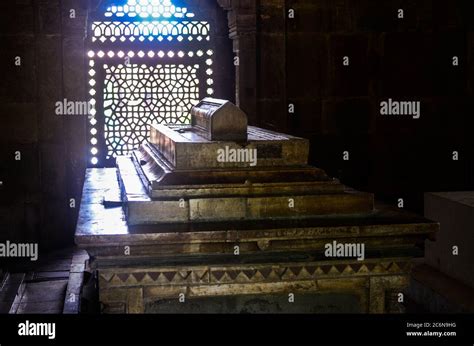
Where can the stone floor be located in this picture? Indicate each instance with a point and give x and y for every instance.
(50, 286)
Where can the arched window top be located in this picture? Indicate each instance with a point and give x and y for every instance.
(149, 20)
(148, 9)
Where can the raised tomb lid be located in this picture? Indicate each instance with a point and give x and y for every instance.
(219, 120)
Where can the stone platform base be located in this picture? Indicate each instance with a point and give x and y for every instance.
(246, 266)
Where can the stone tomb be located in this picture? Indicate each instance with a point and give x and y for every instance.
(175, 228)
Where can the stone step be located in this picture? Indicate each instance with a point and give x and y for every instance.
(73, 297)
(3, 278)
(292, 204)
(165, 182)
(11, 289)
(43, 297)
(51, 286)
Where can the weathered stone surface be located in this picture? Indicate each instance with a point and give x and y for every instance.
(53, 167)
(11, 219)
(327, 150)
(28, 168)
(48, 62)
(74, 59)
(17, 17)
(202, 266)
(74, 17)
(272, 17)
(373, 15)
(450, 80)
(48, 14)
(272, 63)
(448, 15)
(271, 304)
(18, 82)
(351, 80)
(391, 157)
(273, 114)
(18, 176)
(75, 89)
(455, 109)
(224, 69)
(319, 16)
(54, 223)
(246, 74)
(75, 126)
(19, 123)
(51, 126)
(307, 117)
(350, 116)
(307, 65)
(31, 222)
(407, 65)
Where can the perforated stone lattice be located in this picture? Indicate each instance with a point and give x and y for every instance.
(131, 85)
(137, 95)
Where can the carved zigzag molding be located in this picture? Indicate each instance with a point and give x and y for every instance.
(250, 274)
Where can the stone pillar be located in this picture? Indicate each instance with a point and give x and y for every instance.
(52, 150)
(74, 26)
(273, 93)
(242, 17)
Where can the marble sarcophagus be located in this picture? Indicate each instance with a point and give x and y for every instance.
(218, 216)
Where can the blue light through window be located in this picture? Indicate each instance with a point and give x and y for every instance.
(148, 9)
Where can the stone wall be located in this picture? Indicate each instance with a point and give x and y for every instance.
(37, 189)
(300, 61)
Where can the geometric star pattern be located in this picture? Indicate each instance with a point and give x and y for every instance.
(136, 96)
